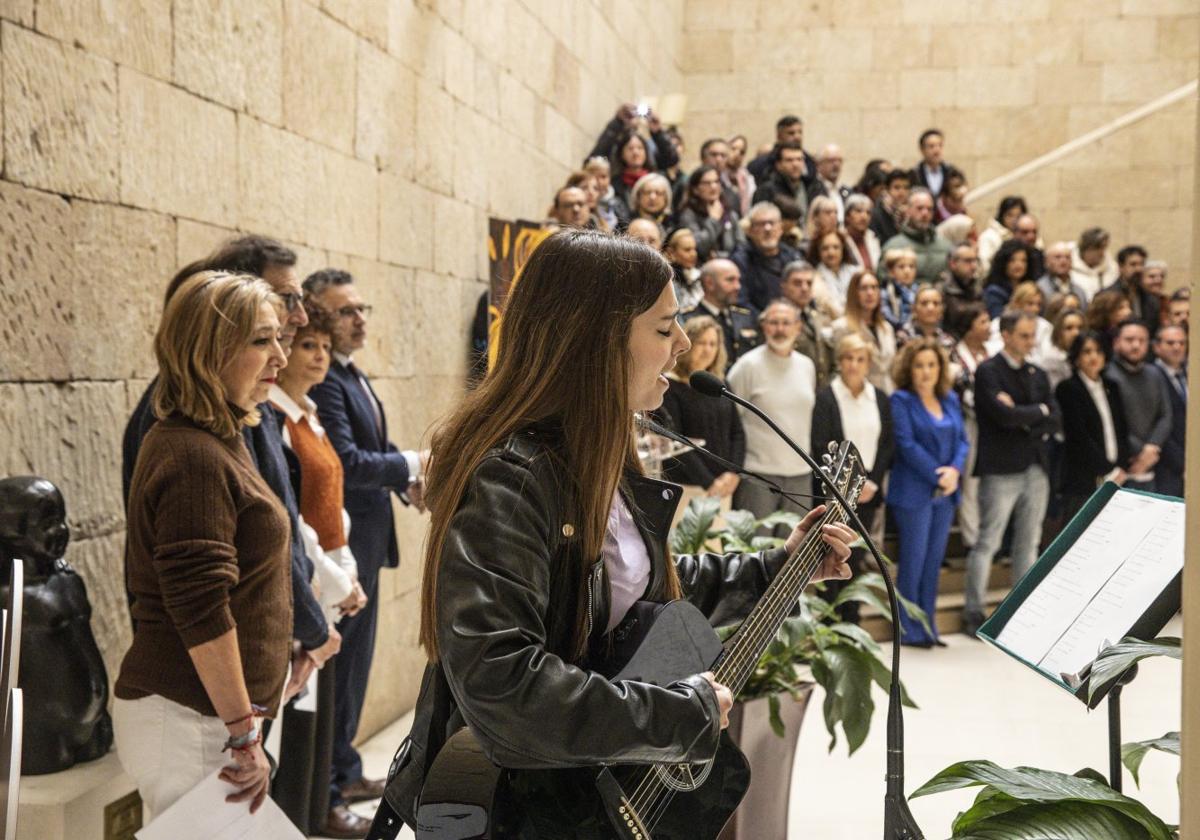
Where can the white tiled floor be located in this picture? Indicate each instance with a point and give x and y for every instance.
(976, 703)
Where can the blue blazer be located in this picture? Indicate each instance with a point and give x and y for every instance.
(373, 467)
(923, 445)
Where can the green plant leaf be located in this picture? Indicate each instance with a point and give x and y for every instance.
(1115, 660)
(1034, 786)
(1060, 821)
(844, 671)
(853, 631)
(692, 532)
(1133, 752)
(775, 716)
(765, 543)
(781, 517)
(882, 675)
(741, 524)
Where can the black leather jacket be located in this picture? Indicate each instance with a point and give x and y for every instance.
(507, 591)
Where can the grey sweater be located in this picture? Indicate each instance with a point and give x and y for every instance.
(1147, 404)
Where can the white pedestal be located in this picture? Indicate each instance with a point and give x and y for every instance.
(70, 805)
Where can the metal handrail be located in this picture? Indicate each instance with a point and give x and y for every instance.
(1072, 146)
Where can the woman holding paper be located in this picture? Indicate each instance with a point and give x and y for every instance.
(207, 554)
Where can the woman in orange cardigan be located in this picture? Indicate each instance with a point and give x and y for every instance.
(302, 787)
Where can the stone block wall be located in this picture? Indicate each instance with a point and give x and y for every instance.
(373, 135)
(1006, 82)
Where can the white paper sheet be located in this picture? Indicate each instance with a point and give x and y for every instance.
(1100, 588)
(203, 814)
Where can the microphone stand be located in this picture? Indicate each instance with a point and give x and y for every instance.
(898, 821)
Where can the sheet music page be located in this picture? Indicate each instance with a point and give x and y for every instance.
(203, 814)
(1101, 586)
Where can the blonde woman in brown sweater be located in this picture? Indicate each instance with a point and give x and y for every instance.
(207, 559)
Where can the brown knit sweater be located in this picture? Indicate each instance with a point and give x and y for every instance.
(206, 551)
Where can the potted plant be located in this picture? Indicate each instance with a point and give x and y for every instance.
(812, 647)
(1028, 803)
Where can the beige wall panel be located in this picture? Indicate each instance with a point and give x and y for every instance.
(232, 51)
(133, 32)
(60, 116)
(318, 76)
(178, 152)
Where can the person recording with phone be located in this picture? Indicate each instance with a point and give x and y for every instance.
(545, 532)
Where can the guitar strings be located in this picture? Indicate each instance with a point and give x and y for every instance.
(806, 556)
(647, 796)
(651, 787)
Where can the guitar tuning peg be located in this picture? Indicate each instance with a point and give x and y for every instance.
(832, 449)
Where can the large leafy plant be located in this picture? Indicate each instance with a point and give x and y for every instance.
(1025, 803)
(813, 645)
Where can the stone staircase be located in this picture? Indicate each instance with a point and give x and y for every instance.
(951, 589)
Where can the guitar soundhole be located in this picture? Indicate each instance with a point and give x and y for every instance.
(683, 777)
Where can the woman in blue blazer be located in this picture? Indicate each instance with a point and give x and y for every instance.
(931, 448)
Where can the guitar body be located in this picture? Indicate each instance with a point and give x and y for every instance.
(466, 797)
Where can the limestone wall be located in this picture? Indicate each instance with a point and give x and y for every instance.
(1006, 81)
(374, 135)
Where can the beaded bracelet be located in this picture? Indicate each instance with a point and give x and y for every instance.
(255, 711)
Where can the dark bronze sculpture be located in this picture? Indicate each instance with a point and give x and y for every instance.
(62, 673)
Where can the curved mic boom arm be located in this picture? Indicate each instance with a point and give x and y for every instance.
(898, 821)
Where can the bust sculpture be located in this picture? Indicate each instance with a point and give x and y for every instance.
(62, 673)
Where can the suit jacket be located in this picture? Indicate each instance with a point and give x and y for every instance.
(827, 426)
(1084, 462)
(739, 327)
(922, 445)
(1012, 439)
(919, 178)
(1168, 472)
(373, 467)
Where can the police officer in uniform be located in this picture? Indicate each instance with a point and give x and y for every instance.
(722, 283)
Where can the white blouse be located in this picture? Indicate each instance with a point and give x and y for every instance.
(626, 561)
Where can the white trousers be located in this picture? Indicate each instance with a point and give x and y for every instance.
(166, 748)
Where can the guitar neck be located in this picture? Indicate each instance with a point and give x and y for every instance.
(747, 645)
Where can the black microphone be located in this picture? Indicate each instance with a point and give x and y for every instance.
(898, 821)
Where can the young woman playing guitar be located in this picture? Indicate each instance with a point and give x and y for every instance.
(545, 531)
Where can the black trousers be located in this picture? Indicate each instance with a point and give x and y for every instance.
(301, 787)
(350, 690)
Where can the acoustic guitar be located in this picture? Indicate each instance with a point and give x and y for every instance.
(466, 797)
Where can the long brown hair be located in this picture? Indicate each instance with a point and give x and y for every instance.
(564, 357)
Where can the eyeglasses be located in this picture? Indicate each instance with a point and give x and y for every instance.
(350, 311)
(764, 223)
(291, 301)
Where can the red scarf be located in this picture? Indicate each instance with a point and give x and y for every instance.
(630, 176)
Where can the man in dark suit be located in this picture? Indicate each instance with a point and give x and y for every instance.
(355, 421)
(1017, 415)
(932, 172)
(721, 281)
(1171, 348)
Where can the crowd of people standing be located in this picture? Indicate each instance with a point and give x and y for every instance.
(984, 375)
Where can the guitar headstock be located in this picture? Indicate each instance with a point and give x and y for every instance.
(842, 467)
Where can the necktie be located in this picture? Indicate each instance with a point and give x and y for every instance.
(362, 382)
(1181, 384)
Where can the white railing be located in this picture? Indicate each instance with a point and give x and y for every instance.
(1072, 146)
